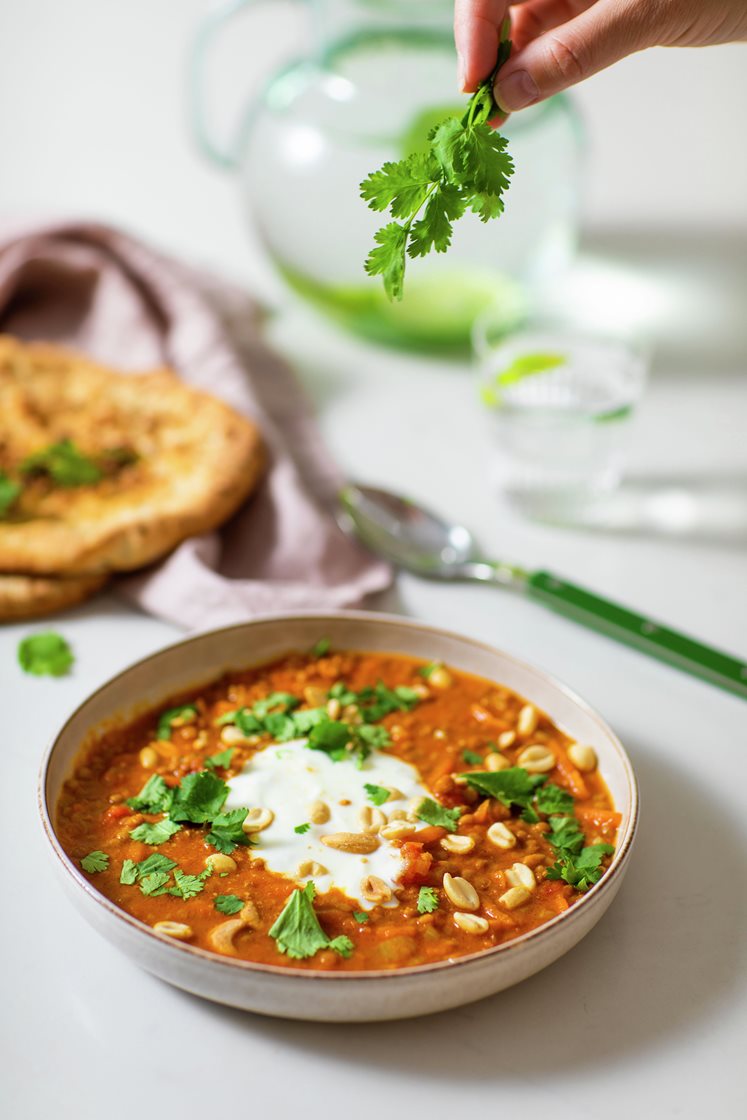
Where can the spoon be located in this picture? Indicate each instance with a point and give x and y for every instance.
(419, 541)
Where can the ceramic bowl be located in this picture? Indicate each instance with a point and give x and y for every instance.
(317, 995)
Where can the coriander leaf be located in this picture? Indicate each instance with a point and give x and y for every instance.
(186, 713)
(342, 945)
(427, 670)
(472, 758)
(275, 702)
(95, 861)
(329, 735)
(432, 813)
(187, 886)
(583, 870)
(553, 799)
(302, 828)
(401, 186)
(154, 833)
(565, 834)
(360, 916)
(199, 798)
(375, 703)
(280, 726)
(387, 259)
(514, 786)
(297, 930)
(340, 691)
(321, 648)
(228, 903)
(154, 883)
(377, 794)
(226, 831)
(64, 463)
(9, 491)
(485, 164)
(304, 720)
(427, 900)
(434, 229)
(370, 735)
(486, 206)
(154, 797)
(242, 718)
(45, 655)
(222, 759)
(156, 861)
(129, 873)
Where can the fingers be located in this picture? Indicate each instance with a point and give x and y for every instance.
(477, 25)
(602, 34)
(530, 20)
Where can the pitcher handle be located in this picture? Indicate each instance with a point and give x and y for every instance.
(225, 157)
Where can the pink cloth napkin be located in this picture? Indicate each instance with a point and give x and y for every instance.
(104, 293)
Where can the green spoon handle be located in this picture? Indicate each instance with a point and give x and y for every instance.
(636, 630)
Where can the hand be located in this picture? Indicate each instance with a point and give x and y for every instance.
(557, 43)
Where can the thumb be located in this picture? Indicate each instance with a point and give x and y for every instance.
(606, 32)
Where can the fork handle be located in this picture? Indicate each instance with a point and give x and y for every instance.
(636, 630)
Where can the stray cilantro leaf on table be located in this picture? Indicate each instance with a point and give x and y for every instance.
(297, 931)
(432, 813)
(427, 900)
(45, 655)
(228, 903)
(302, 828)
(95, 861)
(466, 167)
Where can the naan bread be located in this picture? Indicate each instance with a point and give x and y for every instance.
(195, 461)
(33, 596)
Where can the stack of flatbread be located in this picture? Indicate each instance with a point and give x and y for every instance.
(103, 472)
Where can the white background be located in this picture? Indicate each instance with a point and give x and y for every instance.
(648, 1013)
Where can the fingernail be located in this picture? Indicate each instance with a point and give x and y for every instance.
(460, 71)
(516, 91)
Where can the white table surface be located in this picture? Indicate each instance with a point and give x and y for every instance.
(648, 1013)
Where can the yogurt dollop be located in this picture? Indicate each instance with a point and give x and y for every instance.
(288, 778)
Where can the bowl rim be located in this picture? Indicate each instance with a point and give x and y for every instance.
(534, 937)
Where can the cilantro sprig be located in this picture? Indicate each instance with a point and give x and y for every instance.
(297, 931)
(466, 167)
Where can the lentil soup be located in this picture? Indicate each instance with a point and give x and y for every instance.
(340, 811)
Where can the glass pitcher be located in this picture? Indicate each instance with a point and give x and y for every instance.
(379, 75)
